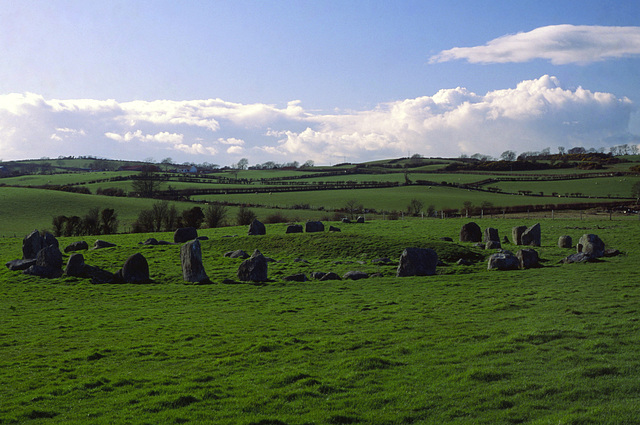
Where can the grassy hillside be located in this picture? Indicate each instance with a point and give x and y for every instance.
(22, 209)
(467, 346)
(388, 199)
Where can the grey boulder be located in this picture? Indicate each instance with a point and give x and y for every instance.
(417, 262)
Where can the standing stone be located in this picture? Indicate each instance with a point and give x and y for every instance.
(295, 228)
(253, 269)
(31, 245)
(257, 228)
(48, 263)
(99, 244)
(565, 242)
(355, 275)
(191, 259)
(238, 253)
(330, 276)
(493, 245)
(185, 234)
(135, 270)
(17, 265)
(417, 262)
(49, 239)
(49, 257)
(77, 246)
(528, 258)
(470, 232)
(591, 245)
(504, 260)
(360, 219)
(491, 234)
(516, 234)
(314, 226)
(75, 265)
(532, 236)
(346, 220)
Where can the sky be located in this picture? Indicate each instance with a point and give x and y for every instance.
(327, 81)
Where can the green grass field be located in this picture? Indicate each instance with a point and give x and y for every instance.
(597, 187)
(554, 345)
(387, 199)
(22, 209)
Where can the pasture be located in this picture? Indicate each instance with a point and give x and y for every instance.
(554, 345)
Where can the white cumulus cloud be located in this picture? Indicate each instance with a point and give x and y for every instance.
(231, 141)
(560, 44)
(533, 115)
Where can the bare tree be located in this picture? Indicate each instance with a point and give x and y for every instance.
(508, 156)
(147, 182)
(353, 207)
(243, 164)
(414, 207)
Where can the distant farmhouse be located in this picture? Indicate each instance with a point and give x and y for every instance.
(192, 170)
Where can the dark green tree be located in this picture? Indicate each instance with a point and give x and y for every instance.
(147, 182)
(214, 215)
(193, 217)
(245, 216)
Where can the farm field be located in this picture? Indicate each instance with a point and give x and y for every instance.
(387, 199)
(22, 209)
(557, 344)
(596, 187)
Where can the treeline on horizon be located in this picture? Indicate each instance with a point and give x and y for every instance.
(565, 158)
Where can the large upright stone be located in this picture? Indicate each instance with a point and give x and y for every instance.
(565, 242)
(295, 228)
(504, 260)
(532, 236)
(76, 246)
(492, 245)
(591, 245)
(191, 259)
(417, 262)
(31, 245)
(257, 228)
(135, 270)
(528, 258)
(470, 232)
(253, 269)
(49, 257)
(75, 265)
(185, 234)
(490, 234)
(314, 226)
(516, 234)
(48, 263)
(49, 239)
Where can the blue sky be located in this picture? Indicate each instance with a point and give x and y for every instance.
(215, 81)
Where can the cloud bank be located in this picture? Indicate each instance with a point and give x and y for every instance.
(533, 115)
(560, 44)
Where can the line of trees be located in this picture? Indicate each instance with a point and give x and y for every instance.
(94, 222)
(165, 217)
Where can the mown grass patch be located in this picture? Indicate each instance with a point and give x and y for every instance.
(550, 345)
